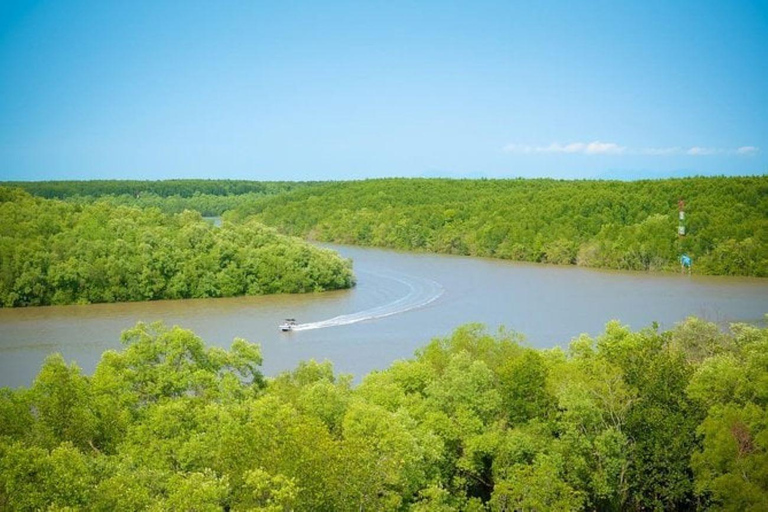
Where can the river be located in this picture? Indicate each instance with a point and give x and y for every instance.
(401, 301)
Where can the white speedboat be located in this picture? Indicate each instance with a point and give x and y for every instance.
(288, 325)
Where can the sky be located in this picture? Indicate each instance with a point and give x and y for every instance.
(326, 90)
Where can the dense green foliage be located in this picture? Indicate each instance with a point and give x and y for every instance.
(627, 421)
(209, 197)
(208, 205)
(162, 188)
(622, 225)
(54, 252)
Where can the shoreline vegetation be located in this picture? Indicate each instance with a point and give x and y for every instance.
(628, 420)
(56, 252)
(601, 224)
(209, 197)
(124, 240)
(595, 223)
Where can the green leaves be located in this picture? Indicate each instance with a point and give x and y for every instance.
(161, 363)
(60, 253)
(731, 467)
(624, 225)
(630, 420)
(538, 486)
(33, 478)
(62, 403)
(263, 492)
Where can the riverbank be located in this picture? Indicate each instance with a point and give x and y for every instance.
(596, 224)
(550, 304)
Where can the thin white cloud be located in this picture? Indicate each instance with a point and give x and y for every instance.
(592, 148)
(610, 148)
(573, 147)
(747, 150)
(700, 151)
(661, 151)
(603, 148)
(517, 148)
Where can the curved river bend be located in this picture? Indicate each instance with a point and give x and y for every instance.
(401, 301)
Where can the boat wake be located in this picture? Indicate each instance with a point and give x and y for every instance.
(421, 292)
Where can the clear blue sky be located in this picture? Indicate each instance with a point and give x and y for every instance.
(337, 90)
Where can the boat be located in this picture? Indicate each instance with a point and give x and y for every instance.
(288, 325)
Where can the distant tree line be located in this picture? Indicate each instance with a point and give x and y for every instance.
(209, 197)
(208, 205)
(646, 420)
(55, 252)
(162, 188)
(609, 224)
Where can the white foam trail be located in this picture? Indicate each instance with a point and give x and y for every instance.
(421, 293)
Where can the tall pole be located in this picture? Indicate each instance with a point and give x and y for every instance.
(685, 260)
(681, 218)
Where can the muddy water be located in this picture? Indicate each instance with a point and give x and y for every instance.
(401, 301)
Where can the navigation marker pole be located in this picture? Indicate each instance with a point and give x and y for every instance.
(681, 218)
(685, 260)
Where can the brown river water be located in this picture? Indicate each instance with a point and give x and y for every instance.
(401, 301)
